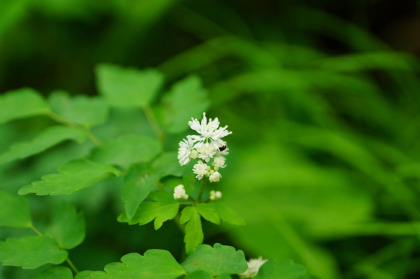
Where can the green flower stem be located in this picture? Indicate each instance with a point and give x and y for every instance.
(35, 230)
(200, 195)
(154, 123)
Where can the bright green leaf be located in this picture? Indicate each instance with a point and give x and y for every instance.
(68, 226)
(21, 103)
(46, 139)
(126, 150)
(193, 230)
(217, 260)
(138, 183)
(72, 177)
(199, 274)
(168, 164)
(186, 99)
(208, 212)
(283, 269)
(155, 264)
(57, 272)
(128, 87)
(14, 211)
(30, 252)
(87, 111)
(227, 214)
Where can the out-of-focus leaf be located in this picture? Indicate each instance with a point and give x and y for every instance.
(21, 103)
(68, 226)
(283, 269)
(14, 211)
(199, 274)
(155, 264)
(217, 260)
(57, 272)
(30, 252)
(87, 111)
(208, 212)
(167, 164)
(186, 99)
(126, 150)
(72, 177)
(46, 139)
(193, 231)
(227, 214)
(128, 87)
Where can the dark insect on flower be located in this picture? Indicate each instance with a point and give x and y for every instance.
(223, 147)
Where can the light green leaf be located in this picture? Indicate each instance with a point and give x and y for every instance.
(72, 177)
(128, 87)
(87, 111)
(186, 99)
(199, 274)
(227, 214)
(217, 260)
(46, 139)
(168, 164)
(155, 264)
(68, 226)
(57, 272)
(162, 209)
(14, 211)
(283, 269)
(208, 212)
(126, 150)
(138, 183)
(30, 252)
(193, 230)
(21, 103)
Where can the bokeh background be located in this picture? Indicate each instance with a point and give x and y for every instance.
(323, 99)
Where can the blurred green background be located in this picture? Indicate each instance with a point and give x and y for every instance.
(322, 97)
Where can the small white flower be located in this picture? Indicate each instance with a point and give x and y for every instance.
(215, 177)
(194, 154)
(179, 192)
(253, 267)
(206, 151)
(200, 169)
(215, 195)
(219, 161)
(184, 151)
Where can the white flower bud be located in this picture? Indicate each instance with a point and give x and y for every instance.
(219, 161)
(253, 268)
(179, 192)
(194, 154)
(215, 177)
(200, 169)
(215, 195)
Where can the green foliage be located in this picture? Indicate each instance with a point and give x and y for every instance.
(193, 231)
(30, 252)
(218, 260)
(72, 177)
(208, 212)
(56, 272)
(15, 211)
(283, 269)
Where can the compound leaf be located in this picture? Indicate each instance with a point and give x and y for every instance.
(56, 272)
(227, 214)
(14, 211)
(193, 230)
(283, 269)
(208, 212)
(199, 274)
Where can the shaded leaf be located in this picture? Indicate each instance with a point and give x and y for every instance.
(155, 264)
(87, 111)
(193, 230)
(208, 212)
(68, 226)
(227, 214)
(72, 177)
(128, 87)
(14, 211)
(126, 150)
(30, 252)
(217, 260)
(57, 272)
(283, 269)
(46, 139)
(21, 103)
(186, 99)
(199, 274)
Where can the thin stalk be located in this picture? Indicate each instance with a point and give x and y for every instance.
(72, 266)
(35, 230)
(154, 123)
(200, 195)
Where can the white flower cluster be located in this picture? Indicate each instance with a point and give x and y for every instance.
(253, 267)
(205, 146)
(179, 192)
(215, 195)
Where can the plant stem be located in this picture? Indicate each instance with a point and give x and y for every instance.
(200, 195)
(72, 266)
(35, 230)
(154, 123)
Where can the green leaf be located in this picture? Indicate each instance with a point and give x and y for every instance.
(199, 274)
(155, 264)
(72, 177)
(126, 150)
(186, 99)
(14, 211)
(87, 111)
(21, 103)
(128, 87)
(283, 269)
(56, 272)
(217, 260)
(46, 139)
(30, 252)
(208, 212)
(193, 230)
(227, 214)
(167, 164)
(138, 183)
(162, 209)
(68, 226)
